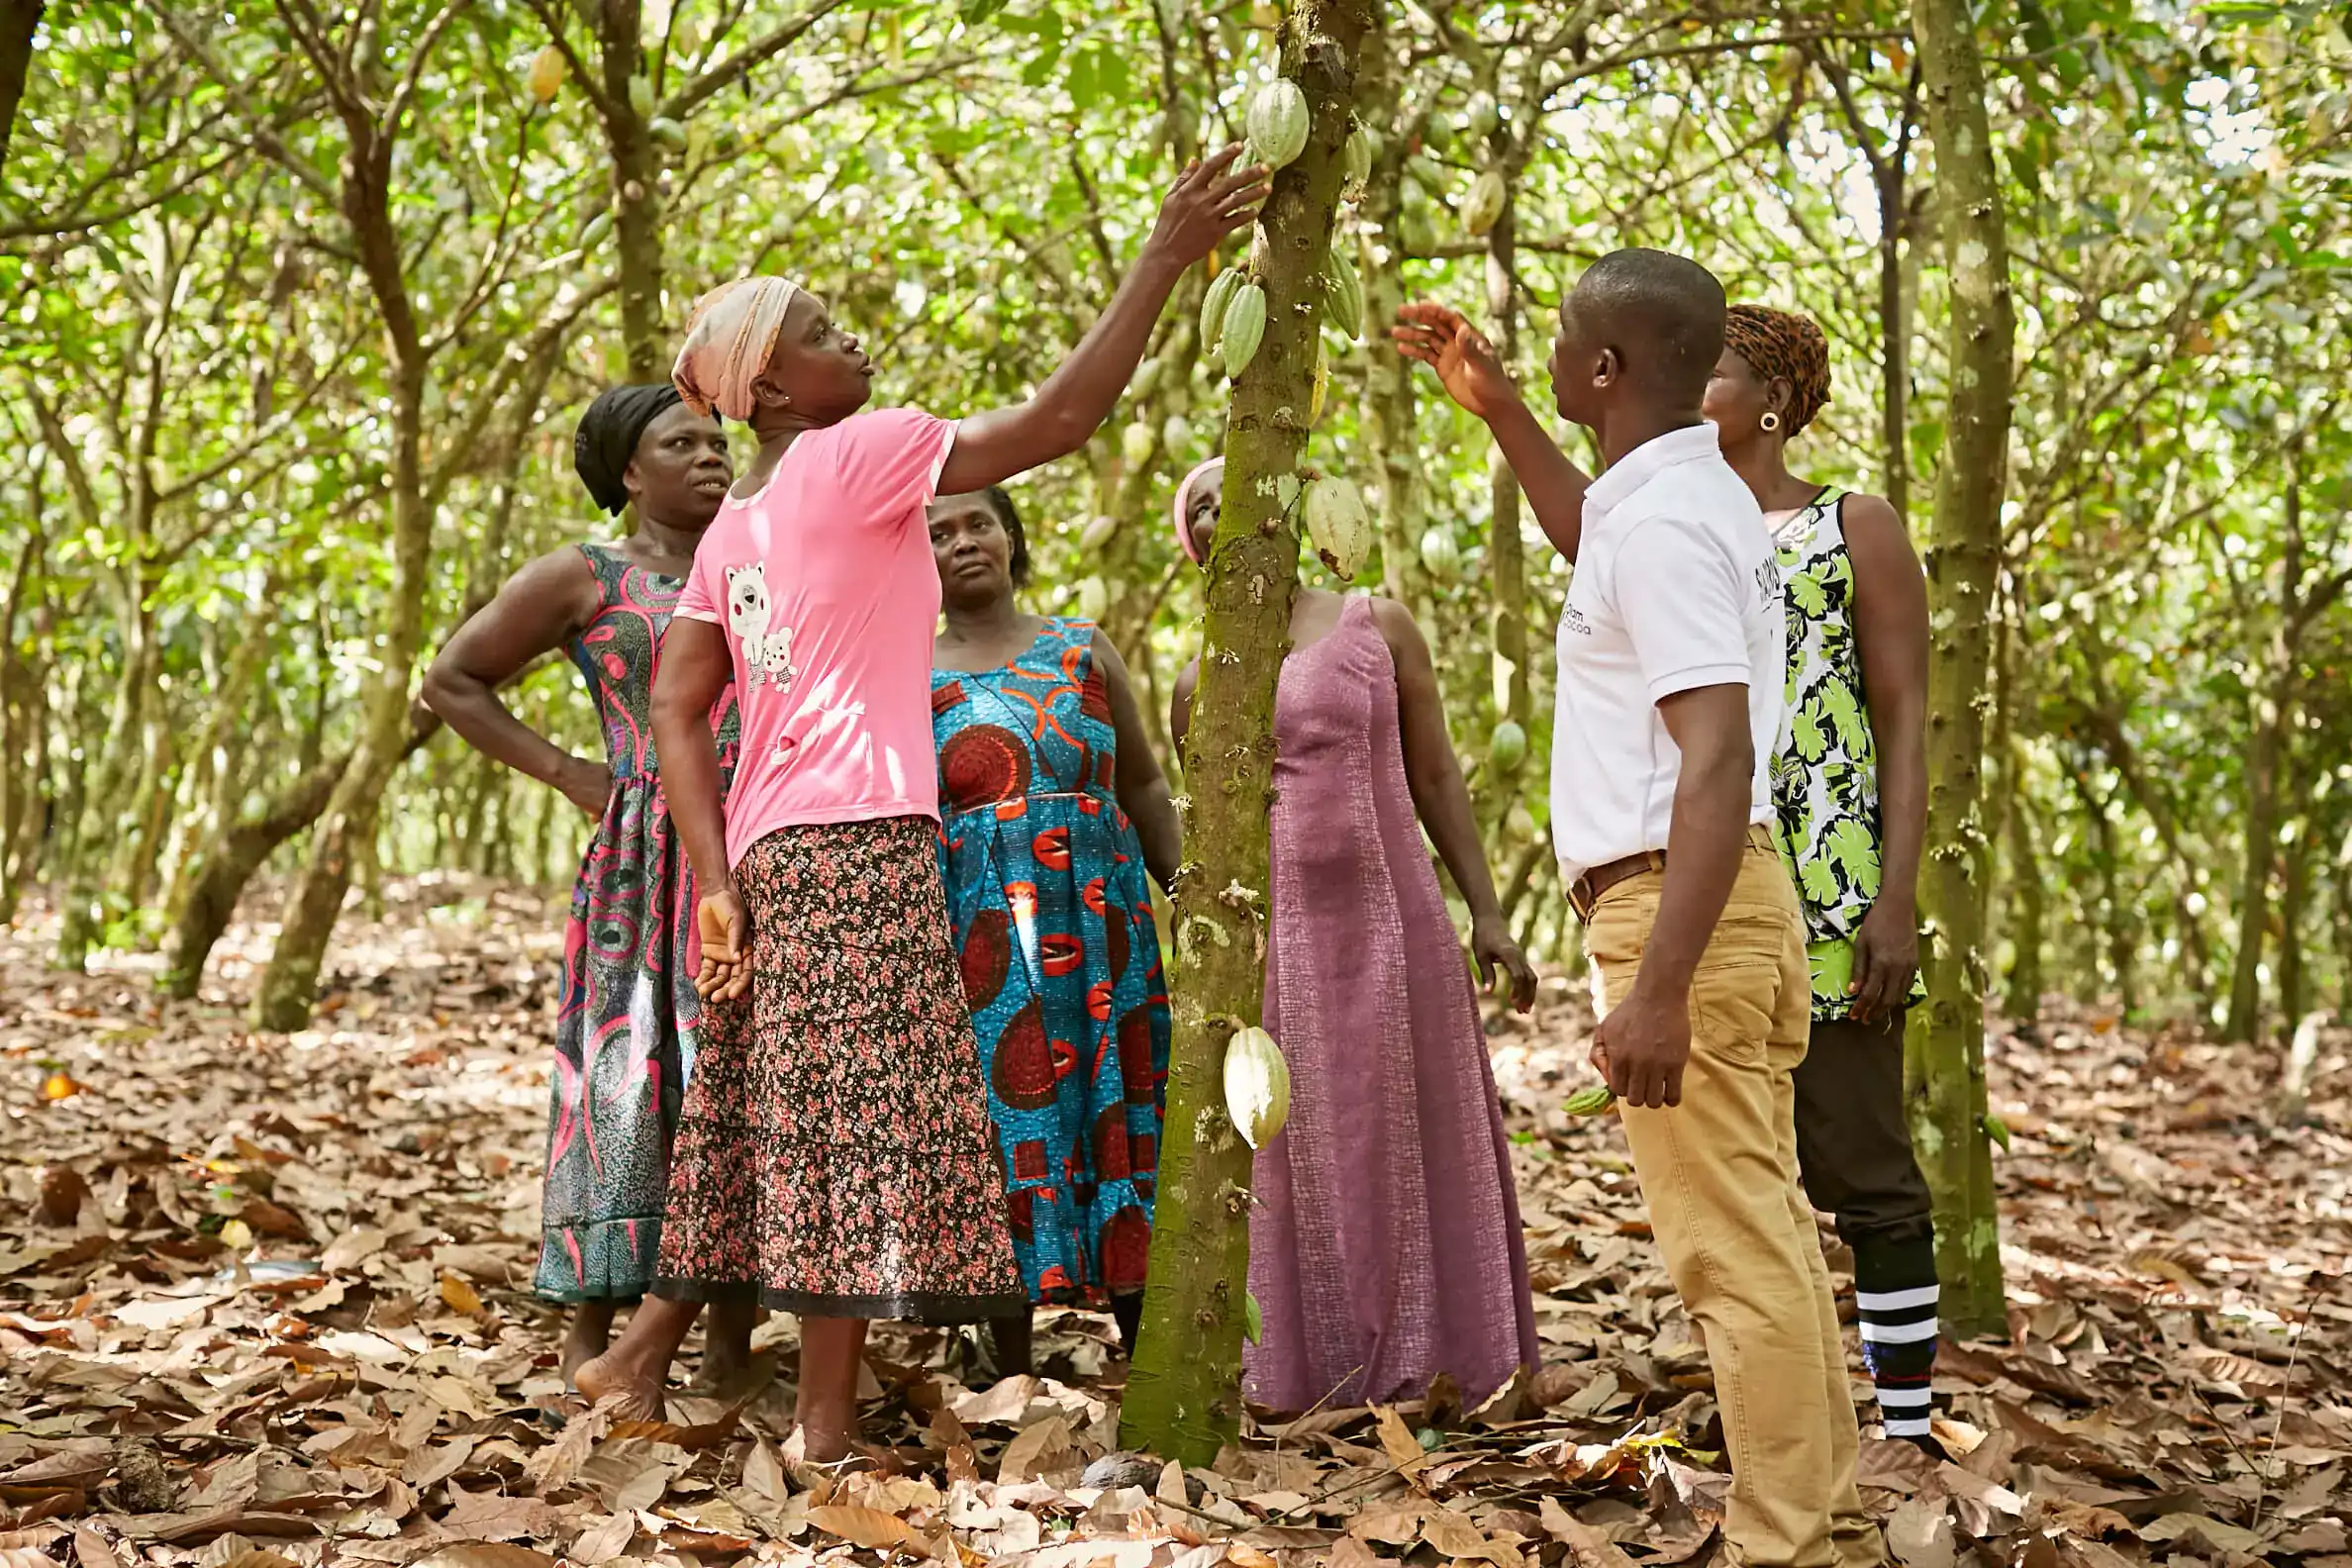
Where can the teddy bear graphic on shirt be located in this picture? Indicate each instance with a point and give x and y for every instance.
(767, 654)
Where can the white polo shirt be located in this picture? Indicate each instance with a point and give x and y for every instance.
(1676, 587)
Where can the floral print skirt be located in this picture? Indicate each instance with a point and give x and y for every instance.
(835, 1157)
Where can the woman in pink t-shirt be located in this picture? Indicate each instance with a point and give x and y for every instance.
(834, 1158)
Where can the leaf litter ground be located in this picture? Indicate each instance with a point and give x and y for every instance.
(264, 1301)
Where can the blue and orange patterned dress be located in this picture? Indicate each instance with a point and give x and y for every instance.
(1061, 964)
(627, 1028)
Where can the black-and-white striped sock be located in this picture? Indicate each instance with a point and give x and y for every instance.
(1895, 1296)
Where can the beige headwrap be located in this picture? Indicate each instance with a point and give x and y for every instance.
(728, 344)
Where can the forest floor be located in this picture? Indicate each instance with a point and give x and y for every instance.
(262, 1300)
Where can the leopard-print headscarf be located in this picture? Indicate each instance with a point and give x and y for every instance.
(1778, 344)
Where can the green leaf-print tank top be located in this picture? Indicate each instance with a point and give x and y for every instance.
(1824, 777)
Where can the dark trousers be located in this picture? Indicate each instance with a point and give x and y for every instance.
(1854, 1152)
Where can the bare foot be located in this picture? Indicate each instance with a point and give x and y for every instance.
(724, 1375)
(587, 1339)
(636, 1396)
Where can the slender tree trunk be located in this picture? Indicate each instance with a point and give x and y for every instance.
(221, 755)
(2031, 905)
(1184, 1396)
(2295, 984)
(2273, 713)
(97, 817)
(1946, 1064)
(637, 189)
(18, 21)
(1894, 330)
(1507, 556)
(2117, 927)
(1399, 488)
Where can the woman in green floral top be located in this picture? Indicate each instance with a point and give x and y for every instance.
(1851, 784)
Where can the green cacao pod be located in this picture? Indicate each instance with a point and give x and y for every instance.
(1338, 524)
(1146, 377)
(1439, 554)
(640, 96)
(1507, 749)
(667, 132)
(1094, 599)
(1484, 204)
(1355, 159)
(1483, 118)
(1258, 1086)
(1426, 174)
(1590, 1102)
(1277, 123)
(597, 227)
(1098, 532)
(1998, 1131)
(1134, 445)
(1415, 233)
(1214, 306)
(1176, 434)
(1244, 325)
(546, 74)
(1343, 295)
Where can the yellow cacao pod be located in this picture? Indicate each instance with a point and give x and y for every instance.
(1322, 385)
(1214, 306)
(1258, 1086)
(546, 74)
(1355, 159)
(1134, 445)
(1343, 295)
(1244, 325)
(1484, 204)
(1277, 123)
(1590, 1102)
(1338, 524)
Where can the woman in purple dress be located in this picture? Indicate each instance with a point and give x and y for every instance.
(1385, 1247)
(629, 1018)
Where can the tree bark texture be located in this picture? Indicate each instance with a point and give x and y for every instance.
(1947, 1058)
(19, 18)
(1184, 1396)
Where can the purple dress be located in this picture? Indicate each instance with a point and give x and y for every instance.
(1386, 1246)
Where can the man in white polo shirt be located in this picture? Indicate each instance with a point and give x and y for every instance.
(1671, 649)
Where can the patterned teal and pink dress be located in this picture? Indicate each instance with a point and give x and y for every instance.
(630, 1020)
(1051, 909)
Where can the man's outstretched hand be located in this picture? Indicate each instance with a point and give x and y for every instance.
(1443, 339)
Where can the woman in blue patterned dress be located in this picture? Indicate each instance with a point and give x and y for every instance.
(1053, 808)
(627, 1027)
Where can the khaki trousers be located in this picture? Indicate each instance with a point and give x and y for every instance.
(1718, 1173)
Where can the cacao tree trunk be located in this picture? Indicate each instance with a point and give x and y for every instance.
(1398, 487)
(2273, 713)
(1946, 1057)
(19, 18)
(2031, 906)
(1184, 1395)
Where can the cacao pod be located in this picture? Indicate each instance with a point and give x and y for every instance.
(597, 227)
(1414, 231)
(1484, 204)
(1343, 295)
(1521, 820)
(1244, 325)
(1507, 749)
(640, 96)
(1277, 123)
(1146, 377)
(1355, 159)
(1176, 434)
(1590, 1102)
(1098, 532)
(1437, 133)
(1338, 524)
(1214, 306)
(667, 132)
(1134, 445)
(1439, 554)
(1998, 1131)
(1483, 118)
(546, 74)
(1254, 1319)
(1258, 1086)
(1426, 174)
(1322, 385)
(1094, 598)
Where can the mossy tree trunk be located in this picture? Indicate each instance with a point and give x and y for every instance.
(1946, 1064)
(1184, 1396)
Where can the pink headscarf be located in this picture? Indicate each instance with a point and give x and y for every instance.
(1214, 468)
(728, 342)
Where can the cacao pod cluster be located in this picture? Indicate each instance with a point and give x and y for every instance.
(1258, 1086)
(1337, 524)
(1233, 320)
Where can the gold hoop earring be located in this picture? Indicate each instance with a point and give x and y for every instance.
(1769, 423)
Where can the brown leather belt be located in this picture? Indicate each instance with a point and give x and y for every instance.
(1586, 891)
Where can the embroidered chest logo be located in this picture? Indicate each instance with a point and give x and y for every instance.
(767, 654)
(1768, 577)
(1574, 620)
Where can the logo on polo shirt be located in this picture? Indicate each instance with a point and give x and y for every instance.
(1768, 577)
(1573, 619)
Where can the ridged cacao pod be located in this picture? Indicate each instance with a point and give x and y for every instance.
(597, 227)
(1426, 174)
(1590, 1102)
(667, 132)
(1355, 159)
(1414, 231)
(1322, 388)
(640, 96)
(1484, 204)
(1277, 123)
(1176, 434)
(1506, 747)
(1343, 295)
(1146, 377)
(1338, 524)
(1483, 118)
(1244, 325)
(545, 79)
(1258, 1086)
(1098, 532)
(1214, 305)
(1134, 445)
(1439, 554)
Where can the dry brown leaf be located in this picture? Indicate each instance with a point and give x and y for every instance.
(482, 1554)
(1920, 1535)
(27, 1557)
(92, 1549)
(862, 1526)
(1040, 1448)
(1249, 1558)
(604, 1540)
(460, 1296)
(1404, 1450)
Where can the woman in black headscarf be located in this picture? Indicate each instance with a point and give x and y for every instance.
(630, 1020)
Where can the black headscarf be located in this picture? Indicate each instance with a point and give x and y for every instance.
(607, 437)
